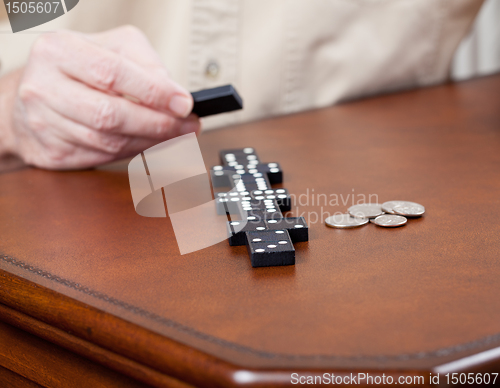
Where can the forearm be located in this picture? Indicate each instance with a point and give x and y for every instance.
(8, 86)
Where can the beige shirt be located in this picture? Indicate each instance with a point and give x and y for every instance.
(283, 56)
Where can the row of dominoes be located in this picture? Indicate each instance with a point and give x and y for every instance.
(268, 235)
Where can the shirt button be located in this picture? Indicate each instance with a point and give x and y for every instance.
(212, 69)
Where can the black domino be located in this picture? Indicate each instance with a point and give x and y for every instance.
(270, 248)
(217, 100)
(268, 235)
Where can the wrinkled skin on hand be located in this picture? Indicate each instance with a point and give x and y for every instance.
(87, 99)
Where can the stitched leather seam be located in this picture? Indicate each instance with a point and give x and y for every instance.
(443, 352)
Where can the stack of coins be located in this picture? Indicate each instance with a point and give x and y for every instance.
(390, 214)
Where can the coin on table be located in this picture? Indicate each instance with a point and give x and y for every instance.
(389, 206)
(411, 210)
(366, 210)
(389, 220)
(344, 221)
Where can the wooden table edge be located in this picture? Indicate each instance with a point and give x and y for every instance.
(88, 350)
(66, 322)
(159, 361)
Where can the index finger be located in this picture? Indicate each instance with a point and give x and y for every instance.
(108, 71)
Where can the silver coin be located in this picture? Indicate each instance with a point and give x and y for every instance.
(344, 221)
(389, 206)
(414, 210)
(389, 221)
(366, 210)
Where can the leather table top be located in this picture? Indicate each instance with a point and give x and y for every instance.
(371, 298)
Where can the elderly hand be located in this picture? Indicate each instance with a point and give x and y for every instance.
(88, 99)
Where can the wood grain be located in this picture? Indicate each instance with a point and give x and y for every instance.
(50, 366)
(10, 379)
(81, 347)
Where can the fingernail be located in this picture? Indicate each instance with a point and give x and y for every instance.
(190, 126)
(181, 105)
